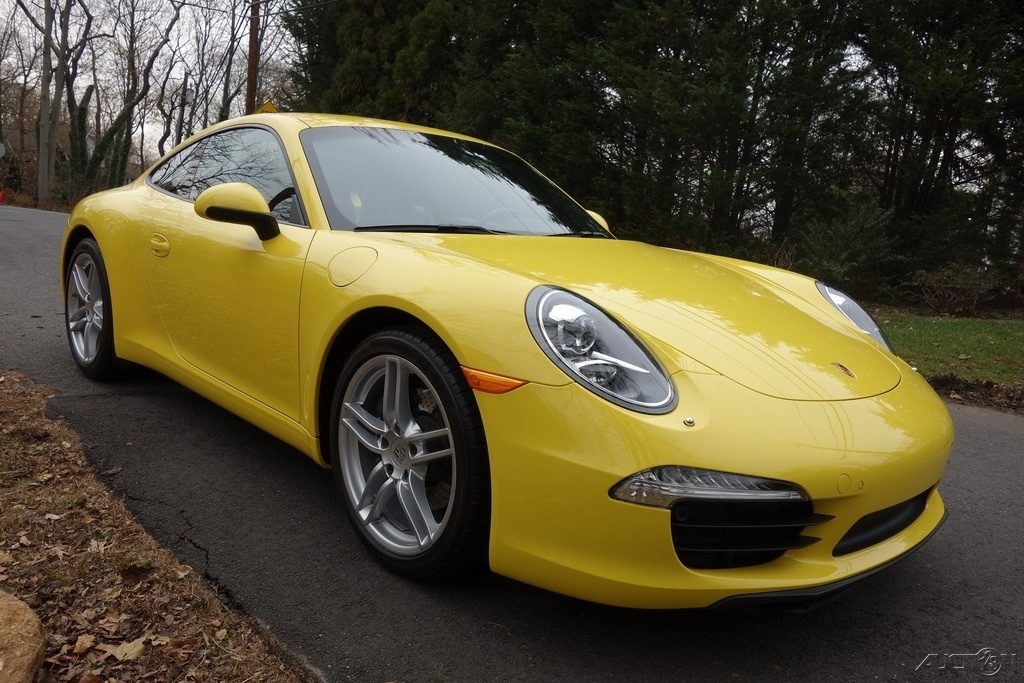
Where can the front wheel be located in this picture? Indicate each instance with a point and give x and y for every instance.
(88, 316)
(409, 455)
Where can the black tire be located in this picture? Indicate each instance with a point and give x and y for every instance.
(462, 547)
(104, 365)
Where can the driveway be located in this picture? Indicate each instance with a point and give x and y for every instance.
(262, 522)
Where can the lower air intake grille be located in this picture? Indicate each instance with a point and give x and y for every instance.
(721, 534)
(878, 526)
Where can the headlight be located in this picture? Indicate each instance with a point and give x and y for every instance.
(663, 486)
(857, 315)
(597, 352)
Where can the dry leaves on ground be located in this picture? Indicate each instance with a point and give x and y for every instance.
(116, 605)
(976, 392)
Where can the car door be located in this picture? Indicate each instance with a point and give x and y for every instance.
(229, 302)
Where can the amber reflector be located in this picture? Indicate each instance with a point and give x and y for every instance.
(490, 383)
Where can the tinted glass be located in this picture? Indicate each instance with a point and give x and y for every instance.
(175, 175)
(385, 177)
(253, 156)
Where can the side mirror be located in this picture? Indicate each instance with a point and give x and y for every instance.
(600, 219)
(238, 203)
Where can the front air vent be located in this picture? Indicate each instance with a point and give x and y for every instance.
(877, 526)
(723, 534)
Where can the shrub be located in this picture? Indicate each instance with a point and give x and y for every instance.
(18, 198)
(850, 251)
(956, 288)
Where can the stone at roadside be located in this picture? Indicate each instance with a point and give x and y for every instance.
(22, 641)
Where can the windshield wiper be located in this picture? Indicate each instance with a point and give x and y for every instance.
(454, 229)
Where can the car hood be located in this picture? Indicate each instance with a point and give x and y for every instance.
(731, 321)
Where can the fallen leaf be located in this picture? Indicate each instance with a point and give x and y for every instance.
(6, 558)
(107, 650)
(215, 622)
(963, 356)
(65, 444)
(159, 640)
(24, 541)
(84, 643)
(49, 516)
(110, 593)
(221, 634)
(955, 396)
(97, 546)
(110, 622)
(45, 476)
(130, 650)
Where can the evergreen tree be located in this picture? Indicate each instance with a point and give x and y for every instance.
(772, 129)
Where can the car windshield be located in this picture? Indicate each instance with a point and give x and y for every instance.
(390, 179)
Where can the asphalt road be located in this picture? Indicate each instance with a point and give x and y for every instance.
(262, 522)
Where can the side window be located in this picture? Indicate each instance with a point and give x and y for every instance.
(253, 156)
(175, 175)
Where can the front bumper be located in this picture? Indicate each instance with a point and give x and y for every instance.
(801, 600)
(556, 451)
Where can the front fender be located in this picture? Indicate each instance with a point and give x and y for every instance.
(476, 309)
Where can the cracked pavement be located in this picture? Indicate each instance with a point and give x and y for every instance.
(261, 522)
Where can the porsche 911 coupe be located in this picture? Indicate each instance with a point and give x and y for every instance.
(496, 381)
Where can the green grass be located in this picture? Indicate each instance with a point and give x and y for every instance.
(970, 348)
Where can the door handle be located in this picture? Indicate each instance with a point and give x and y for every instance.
(159, 245)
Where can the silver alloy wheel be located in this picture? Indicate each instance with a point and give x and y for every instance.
(397, 455)
(85, 308)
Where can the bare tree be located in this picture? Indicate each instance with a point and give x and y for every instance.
(8, 33)
(46, 143)
(64, 38)
(115, 70)
(205, 53)
(140, 30)
(229, 92)
(23, 73)
(165, 99)
(273, 78)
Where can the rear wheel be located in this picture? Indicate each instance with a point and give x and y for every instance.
(87, 313)
(409, 456)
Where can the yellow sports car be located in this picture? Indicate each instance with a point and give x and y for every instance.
(497, 381)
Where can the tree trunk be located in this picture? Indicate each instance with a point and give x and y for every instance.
(46, 82)
(254, 57)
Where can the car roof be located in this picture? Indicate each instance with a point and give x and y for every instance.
(315, 120)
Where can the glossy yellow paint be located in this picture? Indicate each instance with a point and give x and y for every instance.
(599, 218)
(237, 196)
(751, 350)
(555, 525)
